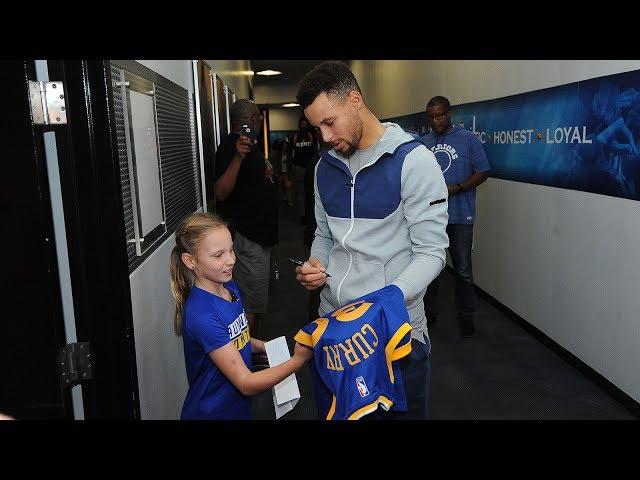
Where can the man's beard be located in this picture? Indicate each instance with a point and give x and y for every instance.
(350, 150)
(352, 145)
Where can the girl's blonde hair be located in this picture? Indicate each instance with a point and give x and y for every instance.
(188, 234)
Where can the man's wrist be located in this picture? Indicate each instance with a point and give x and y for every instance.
(460, 187)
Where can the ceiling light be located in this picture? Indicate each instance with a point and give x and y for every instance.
(290, 105)
(268, 72)
(236, 73)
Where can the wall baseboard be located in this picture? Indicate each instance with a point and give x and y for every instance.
(624, 399)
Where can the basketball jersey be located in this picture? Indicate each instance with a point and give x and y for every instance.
(355, 352)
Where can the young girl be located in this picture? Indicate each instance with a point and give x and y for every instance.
(210, 317)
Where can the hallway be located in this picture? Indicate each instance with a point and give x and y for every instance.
(502, 373)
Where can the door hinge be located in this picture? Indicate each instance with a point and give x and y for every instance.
(48, 105)
(76, 364)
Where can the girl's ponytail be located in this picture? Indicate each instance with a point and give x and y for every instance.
(181, 281)
(190, 231)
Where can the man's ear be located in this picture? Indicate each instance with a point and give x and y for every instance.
(355, 99)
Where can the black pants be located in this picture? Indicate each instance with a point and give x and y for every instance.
(460, 241)
(416, 378)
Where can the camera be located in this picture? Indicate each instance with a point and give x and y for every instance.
(247, 131)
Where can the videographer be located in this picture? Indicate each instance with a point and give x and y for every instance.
(247, 198)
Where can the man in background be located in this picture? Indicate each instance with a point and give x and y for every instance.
(465, 165)
(247, 198)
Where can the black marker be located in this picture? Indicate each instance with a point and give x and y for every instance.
(303, 264)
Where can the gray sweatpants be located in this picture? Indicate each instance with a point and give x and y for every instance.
(251, 273)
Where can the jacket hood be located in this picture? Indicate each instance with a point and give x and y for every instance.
(392, 137)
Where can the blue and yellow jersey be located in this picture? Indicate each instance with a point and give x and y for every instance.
(355, 349)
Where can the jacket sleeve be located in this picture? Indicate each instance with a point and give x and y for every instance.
(425, 201)
(323, 241)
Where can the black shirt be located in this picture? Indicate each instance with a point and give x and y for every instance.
(252, 206)
(304, 148)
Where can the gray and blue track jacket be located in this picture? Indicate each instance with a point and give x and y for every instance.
(385, 224)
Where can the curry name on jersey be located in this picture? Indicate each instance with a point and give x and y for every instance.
(355, 352)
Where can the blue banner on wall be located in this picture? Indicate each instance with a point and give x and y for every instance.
(580, 136)
(276, 134)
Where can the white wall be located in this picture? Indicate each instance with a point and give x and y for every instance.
(178, 71)
(276, 94)
(399, 87)
(232, 74)
(284, 118)
(280, 118)
(162, 380)
(566, 261)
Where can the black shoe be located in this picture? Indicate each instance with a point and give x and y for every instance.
(467, 329)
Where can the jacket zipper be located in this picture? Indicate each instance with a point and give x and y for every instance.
(342, 242)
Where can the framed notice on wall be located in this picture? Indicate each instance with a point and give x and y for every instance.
(141, 135)
(160, 176)
(220, 97)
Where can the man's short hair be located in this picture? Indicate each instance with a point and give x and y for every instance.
(242, 109)
(331, 77)
(439, 100)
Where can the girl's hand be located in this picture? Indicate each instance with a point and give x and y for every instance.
(302, 353)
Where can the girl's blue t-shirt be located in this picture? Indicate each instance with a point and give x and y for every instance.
(210, 322)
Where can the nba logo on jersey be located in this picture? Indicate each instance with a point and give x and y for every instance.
(362, 387)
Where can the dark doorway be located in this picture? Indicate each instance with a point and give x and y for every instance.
(33, 325)
(96, 237)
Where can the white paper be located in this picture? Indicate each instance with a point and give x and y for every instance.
(286, 393)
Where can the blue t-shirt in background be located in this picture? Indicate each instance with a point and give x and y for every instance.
(210, 322)
(460, 154)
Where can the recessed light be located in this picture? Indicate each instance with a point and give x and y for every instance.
(236, 73)
(290, 104)
(268, 72)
